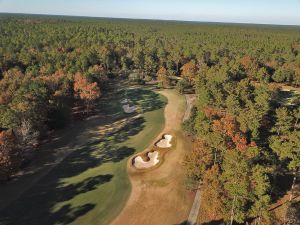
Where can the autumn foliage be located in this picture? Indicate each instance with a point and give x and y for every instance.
(247, 61)
(212, 207)
(227, 125)
(198, 160)
(87, 91)
(189, 70)
(54, 80)
(11, 82)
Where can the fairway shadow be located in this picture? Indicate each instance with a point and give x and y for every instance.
(131, 129)
(147, 99)
(215, 222)
(51, 190)
(72, 214)
(184, 223)
(36, 205)
(89, 184)
(46, 202)
(281, 184)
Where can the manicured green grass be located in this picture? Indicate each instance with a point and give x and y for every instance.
(91, 185)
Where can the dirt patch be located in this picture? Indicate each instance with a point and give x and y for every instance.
(190, 102)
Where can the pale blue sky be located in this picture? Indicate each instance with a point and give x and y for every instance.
(243, 11)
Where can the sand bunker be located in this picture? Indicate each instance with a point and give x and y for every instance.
(165, 142)
(126, 107)
(125, 101)
(139, 163)
(129, 109)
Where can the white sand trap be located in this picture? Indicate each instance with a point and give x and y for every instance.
(125, 101)
(139, 163)
(129, 109)
(285, 89)
(165, 142)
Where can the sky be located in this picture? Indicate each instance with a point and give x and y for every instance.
(285, 12)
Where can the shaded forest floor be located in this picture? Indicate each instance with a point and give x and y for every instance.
(80, 176)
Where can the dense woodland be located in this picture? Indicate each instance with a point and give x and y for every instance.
(244, 138)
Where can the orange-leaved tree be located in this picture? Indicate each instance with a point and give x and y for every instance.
(198, 160)
(212, 194)
(85, 90)
(188, 71)
(227, 126)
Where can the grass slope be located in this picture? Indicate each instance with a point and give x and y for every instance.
(91, 185)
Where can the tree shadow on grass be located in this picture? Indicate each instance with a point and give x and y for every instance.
(183, 223)
(281, 184)
(89, 184)
(131, 129)
(67, 214)
(146, 99)
(45, 202)
(36, 205)
(215, 222)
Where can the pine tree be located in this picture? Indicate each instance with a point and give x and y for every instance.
(284, 121)
(260, 198)
(163, 77)
(236, 173)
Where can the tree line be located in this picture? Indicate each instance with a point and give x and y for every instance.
(245, 139)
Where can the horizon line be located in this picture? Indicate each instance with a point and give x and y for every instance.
(155, 19)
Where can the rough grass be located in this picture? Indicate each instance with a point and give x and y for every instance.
(91, 185)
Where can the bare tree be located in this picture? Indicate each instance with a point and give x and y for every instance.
(26, 134)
